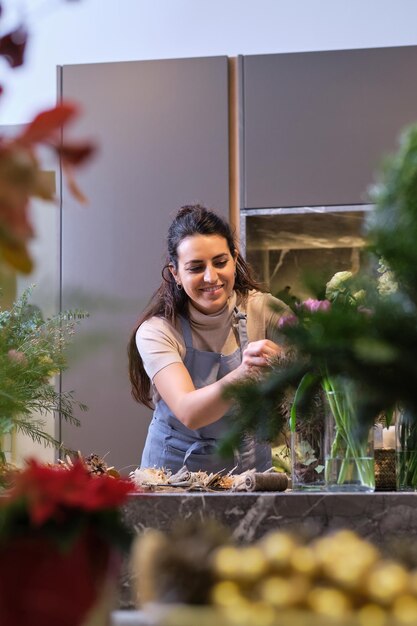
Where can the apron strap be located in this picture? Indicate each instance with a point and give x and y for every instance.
(240, 323)
(199, 445)
(249, 449)
(186, 332)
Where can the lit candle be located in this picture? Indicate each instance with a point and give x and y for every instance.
(388, 437)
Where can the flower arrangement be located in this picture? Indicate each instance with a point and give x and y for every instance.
(313, 379)
(32, 351)
(61, 536)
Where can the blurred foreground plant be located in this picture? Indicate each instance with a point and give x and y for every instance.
(373, 345)
(32, 351)
(194, 576)
(61, 541)
(21, 175)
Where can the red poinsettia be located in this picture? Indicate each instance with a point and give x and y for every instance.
(61, 537)
(56, 494)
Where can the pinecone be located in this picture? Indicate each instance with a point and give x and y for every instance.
(95, 464)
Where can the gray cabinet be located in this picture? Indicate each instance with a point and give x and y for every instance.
(162, 132)
(315, 124)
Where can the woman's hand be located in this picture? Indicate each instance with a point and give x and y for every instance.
(256, 356)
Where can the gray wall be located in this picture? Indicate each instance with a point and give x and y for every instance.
(316, 124)
(97, 31)
(162, 131)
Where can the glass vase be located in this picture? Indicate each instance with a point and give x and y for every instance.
(307, 443)
(349, 452)
(406, 450)
(307, 456)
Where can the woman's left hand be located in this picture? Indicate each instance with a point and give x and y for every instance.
(260, 353)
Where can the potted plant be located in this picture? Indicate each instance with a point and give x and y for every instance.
(61, 540)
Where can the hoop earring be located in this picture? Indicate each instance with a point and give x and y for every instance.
(179, 286)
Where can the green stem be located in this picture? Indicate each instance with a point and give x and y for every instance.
(344, 437)
(407, 454)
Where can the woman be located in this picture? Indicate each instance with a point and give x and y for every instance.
(208, 325)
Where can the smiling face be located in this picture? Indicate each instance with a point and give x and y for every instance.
(206, 271)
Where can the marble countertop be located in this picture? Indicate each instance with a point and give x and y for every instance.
(249, 516)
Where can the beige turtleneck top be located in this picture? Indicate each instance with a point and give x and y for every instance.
(161, 344)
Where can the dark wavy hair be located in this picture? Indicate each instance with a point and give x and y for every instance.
(168, 301)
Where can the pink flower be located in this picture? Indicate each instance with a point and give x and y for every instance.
(17, 357)
(287, 320)
(316, 305)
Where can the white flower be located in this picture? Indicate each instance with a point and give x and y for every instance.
(336, 284)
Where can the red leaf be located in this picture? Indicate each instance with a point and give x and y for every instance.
(47, 123)
(75, 153)
(72, 184)
(12, 46)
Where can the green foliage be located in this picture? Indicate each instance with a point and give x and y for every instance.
(261, 406)
(369, 334)
(393, 227)
(32, 352)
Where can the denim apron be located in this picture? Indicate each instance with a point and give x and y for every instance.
(172, 445)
